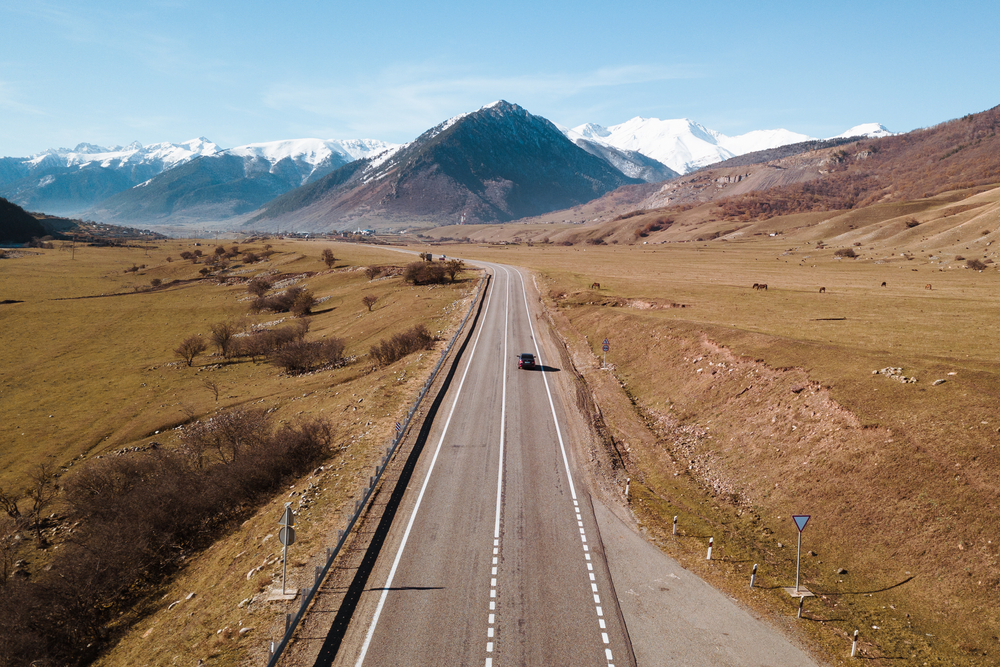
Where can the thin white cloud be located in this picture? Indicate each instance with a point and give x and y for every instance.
(413, 98)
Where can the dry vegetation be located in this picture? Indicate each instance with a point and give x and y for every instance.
(746, 406)
(97, 395)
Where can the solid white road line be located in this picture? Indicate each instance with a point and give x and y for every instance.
(420, 496)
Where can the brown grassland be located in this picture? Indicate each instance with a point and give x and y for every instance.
(88, 370)
(735, 408)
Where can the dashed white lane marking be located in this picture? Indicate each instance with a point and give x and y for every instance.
(490, 629)
(420, 497)
(569, 476)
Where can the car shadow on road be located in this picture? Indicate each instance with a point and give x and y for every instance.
(543, 369)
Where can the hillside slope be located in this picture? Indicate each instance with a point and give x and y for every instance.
(16, 224)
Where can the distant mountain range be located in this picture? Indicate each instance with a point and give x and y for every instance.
(472, 174)
(496, 164)
(684, 145)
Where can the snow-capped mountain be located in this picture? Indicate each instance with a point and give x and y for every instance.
(870, 130)
(311, 155)
(681, 144)
(67, 181)
(232, 182)
(496, 164)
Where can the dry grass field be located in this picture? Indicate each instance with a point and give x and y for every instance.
(734, 408)
(87, 370)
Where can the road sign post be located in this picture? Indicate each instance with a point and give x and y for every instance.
(286, 535)
(605, 346)
(800, 522)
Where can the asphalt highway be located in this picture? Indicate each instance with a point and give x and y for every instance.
(494, 558)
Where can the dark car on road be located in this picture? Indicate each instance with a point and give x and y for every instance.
(526, 360)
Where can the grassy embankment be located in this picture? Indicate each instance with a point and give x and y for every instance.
(88, 368)
(747, 406)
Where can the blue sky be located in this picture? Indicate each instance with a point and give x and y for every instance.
(109, 72)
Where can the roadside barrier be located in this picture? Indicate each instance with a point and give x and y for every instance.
(274, 651)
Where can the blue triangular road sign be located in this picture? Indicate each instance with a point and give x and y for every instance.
(800, 521)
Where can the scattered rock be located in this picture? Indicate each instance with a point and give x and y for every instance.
(189, 596)
(810, 553)
(937, 382)
(244, 631)
(173, 604)
(841, 570)
(780, 545)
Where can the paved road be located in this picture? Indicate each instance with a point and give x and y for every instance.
(494, 557)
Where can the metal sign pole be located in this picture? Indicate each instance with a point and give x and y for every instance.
(798, 561)
(800, 522)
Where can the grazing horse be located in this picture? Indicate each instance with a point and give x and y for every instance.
(822, 290)
(927, 286)
(595, 286)
(762, 286)
(883, 284)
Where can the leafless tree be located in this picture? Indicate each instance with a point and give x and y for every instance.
(212, 387)
(222, 337)
(369, 301)
(328, 258)
(41, 491)
(190, 348)
(373, 272)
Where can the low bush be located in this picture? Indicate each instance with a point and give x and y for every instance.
(845, 252)
(302, 356)
(398, 346)
(425, 273)
(296, 300)
(975, 264)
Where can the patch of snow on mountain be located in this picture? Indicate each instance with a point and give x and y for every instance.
(870, 130)
(170, 155)
(759, 140)
(310, 151)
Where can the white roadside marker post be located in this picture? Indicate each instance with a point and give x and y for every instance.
(628, 481)
(675, 525)
(710, 541)
(854, 644)
(753, 575)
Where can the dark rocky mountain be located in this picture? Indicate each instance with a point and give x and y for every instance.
(17, 225)
(496, 164)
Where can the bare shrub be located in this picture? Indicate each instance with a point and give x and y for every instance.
(302, 304)
(259, 286)
(975, 264)
(190, 348)
(373, 272)
(398, 346)
(424, 273)
(222, 337)
(453, 267)
(294, 297)
(328, 258)
(302, 356)
(845, 252)
(225, 437)
(369, 300)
